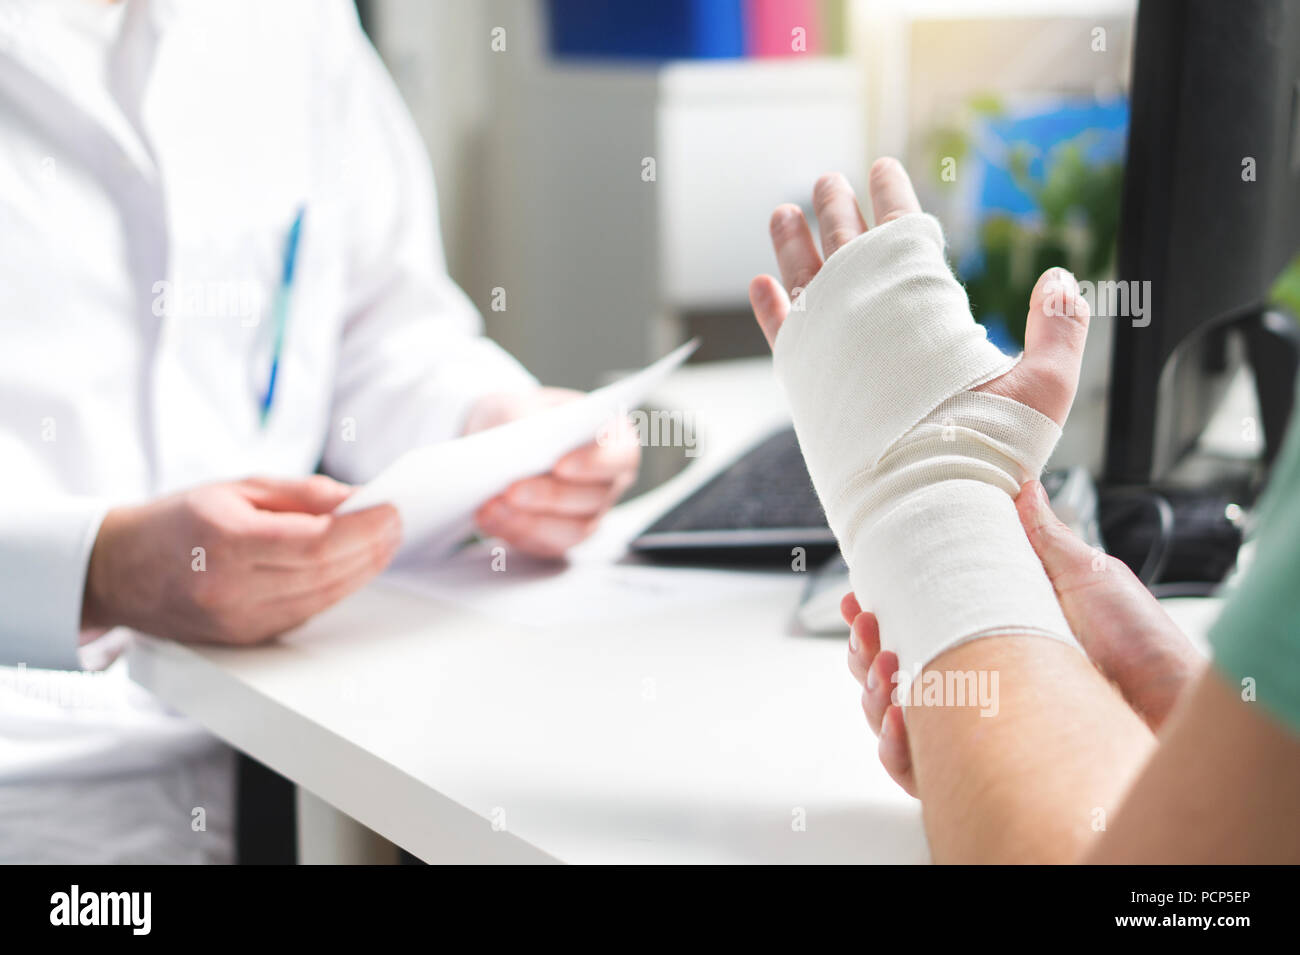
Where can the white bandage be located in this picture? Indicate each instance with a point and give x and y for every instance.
(916, 472)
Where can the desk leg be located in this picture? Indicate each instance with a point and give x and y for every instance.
(329, 837)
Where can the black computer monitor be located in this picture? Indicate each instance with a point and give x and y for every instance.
(1210, 217)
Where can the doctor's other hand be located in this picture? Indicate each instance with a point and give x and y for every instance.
(547, 514)
(1047, 375)
(234, 563)
(1125, 632)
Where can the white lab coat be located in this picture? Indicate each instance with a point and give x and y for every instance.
(144, 205)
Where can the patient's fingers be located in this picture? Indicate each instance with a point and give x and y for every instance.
(849, 607)
(864, 634)
(864, 645)
(892, 194)
(894, 750)
(796, 253)
(878, 689)
(839, 220)
(1125, 631)
(770, 304)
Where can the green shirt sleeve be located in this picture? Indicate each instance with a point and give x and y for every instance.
(1257, 637)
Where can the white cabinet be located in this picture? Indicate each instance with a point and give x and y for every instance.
(735, 141)
(604, 258)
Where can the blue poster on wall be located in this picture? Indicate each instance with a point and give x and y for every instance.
(1040, 185)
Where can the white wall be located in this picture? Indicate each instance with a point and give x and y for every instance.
(440, 55)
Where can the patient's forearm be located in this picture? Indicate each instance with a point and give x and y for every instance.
(1222, 788)
(1038, 780)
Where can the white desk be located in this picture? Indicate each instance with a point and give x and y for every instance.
(705, 733)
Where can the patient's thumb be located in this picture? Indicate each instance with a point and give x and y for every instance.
(1056, 330)
(1058, 547)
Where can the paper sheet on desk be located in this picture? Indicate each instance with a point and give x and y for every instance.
(592, 585)
(437, 488)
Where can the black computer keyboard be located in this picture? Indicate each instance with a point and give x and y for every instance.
(757, 510)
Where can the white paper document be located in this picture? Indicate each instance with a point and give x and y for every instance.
(436, 489)
(588, 586)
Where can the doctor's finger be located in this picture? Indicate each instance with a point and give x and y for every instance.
(550, 495)
(603, 460)
(317, 494)
(307, 540)
(545, 535)
(839, 220)
(286, 614)
(283, 585)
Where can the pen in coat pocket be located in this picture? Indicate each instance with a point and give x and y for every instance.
(280, 309)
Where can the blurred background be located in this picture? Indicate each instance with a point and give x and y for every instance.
(606, 170)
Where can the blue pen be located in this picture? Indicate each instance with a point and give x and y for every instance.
(281, 308)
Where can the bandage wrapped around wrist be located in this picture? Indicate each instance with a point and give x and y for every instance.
(917, 473)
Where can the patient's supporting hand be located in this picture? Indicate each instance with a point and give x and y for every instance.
(1126, 633)
(547, 514)
(234, 563)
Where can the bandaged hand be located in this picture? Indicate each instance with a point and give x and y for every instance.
(917, 431)
(1127, 634)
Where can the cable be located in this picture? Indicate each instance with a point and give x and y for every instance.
(1161, 545)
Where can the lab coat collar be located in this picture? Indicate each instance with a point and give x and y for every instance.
(31, 77)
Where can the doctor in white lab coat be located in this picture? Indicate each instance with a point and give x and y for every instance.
(154, 155)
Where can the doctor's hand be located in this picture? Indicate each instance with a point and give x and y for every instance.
(1047, 375)
(1120, 625)
(547, 514)
(234, 563)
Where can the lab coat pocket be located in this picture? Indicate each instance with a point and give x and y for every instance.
(217, 346)
(306, 341)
